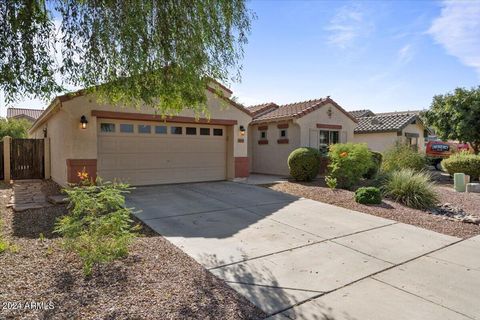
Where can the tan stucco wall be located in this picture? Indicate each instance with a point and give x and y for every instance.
(378, 142)
(69, 141)
(382, 141)
(271, 158)
(309, 122)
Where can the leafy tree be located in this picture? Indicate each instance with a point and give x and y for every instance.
(131, 52)
(456, 116)
(15, 128)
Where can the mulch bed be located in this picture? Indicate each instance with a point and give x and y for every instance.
(156, 281)
(470, 202)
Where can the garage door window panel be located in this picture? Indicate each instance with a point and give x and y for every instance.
(126, 128)
(191, 131)
(176, 130)
(204, 131)
(161, 129)
(218, 132)
(107, 127)
(142, 128)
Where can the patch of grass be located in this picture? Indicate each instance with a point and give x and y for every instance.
(6, 245)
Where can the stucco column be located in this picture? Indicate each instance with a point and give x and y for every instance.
(6, 158)
(46, 157)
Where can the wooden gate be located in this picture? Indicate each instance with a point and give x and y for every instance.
(27, 159)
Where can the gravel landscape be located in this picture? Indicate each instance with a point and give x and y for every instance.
(156, 281)
(469, 202)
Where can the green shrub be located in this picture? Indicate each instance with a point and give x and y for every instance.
(375, 168)
(411, 188)
(304, 163)
(463, 162)
(368, 195)
(348, 163)
(99, 227)
(402, 156)
(331, 182)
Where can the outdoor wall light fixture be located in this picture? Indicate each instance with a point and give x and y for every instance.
(242, 130)
(83, 122)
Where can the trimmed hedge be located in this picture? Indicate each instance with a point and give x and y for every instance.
(463, 162)
(368, 195)
(304, 163)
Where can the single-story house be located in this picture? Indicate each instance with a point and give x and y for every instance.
(382, 130)
(22, 113)
(142, 148)
(276, 130)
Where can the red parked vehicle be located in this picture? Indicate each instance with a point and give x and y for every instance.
(439, 150)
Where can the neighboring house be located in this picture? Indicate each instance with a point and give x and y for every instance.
(276, 130)
(382, 130)
(21, 113)
(142, 148)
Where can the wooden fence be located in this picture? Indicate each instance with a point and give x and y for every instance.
(24, 159)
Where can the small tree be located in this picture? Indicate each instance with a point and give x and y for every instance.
(456, 116)
(15, 128)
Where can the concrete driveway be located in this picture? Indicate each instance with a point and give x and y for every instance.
(303, 259)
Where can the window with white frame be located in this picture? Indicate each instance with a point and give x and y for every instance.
(263, 134)
(283, 133)
(329, 137)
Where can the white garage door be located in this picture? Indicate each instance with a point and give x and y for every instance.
(142, 153)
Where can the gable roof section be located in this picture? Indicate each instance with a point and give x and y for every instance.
(295, 110)
(361, 113)
(57, 102)
(33, 114)
(386, 122)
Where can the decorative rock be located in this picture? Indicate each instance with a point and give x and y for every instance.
(473, 187)
(459, 182)
(450, 212)
(58, 199)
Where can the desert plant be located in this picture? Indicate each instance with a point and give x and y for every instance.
(411, 188)
(331, 182)
(98, 227)
(376, 164)
(368, 195)
(348, 163)
(304, 163)
(402, 156)
(463, 162)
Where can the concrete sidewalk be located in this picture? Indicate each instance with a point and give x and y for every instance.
(302, 259)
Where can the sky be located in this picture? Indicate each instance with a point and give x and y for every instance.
(377, 55)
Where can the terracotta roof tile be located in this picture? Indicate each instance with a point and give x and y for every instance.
(361, 113)
(293, 110)
(262, 108)
(18, 112)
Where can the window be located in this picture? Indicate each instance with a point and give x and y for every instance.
(191, 131)
(107, 127)
(283, 133)
(218, 132)
(126, 128)
(204, 131)
(161, 129)
(328, 137)
(176, 130)
(142, 128)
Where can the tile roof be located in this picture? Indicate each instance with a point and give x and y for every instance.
(293, 110)
(18, 112)
(385, 122)
(262, 108)
(361, 113)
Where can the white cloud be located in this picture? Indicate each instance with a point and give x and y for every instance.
(458, 30)
(405, 54)
(347, 25)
